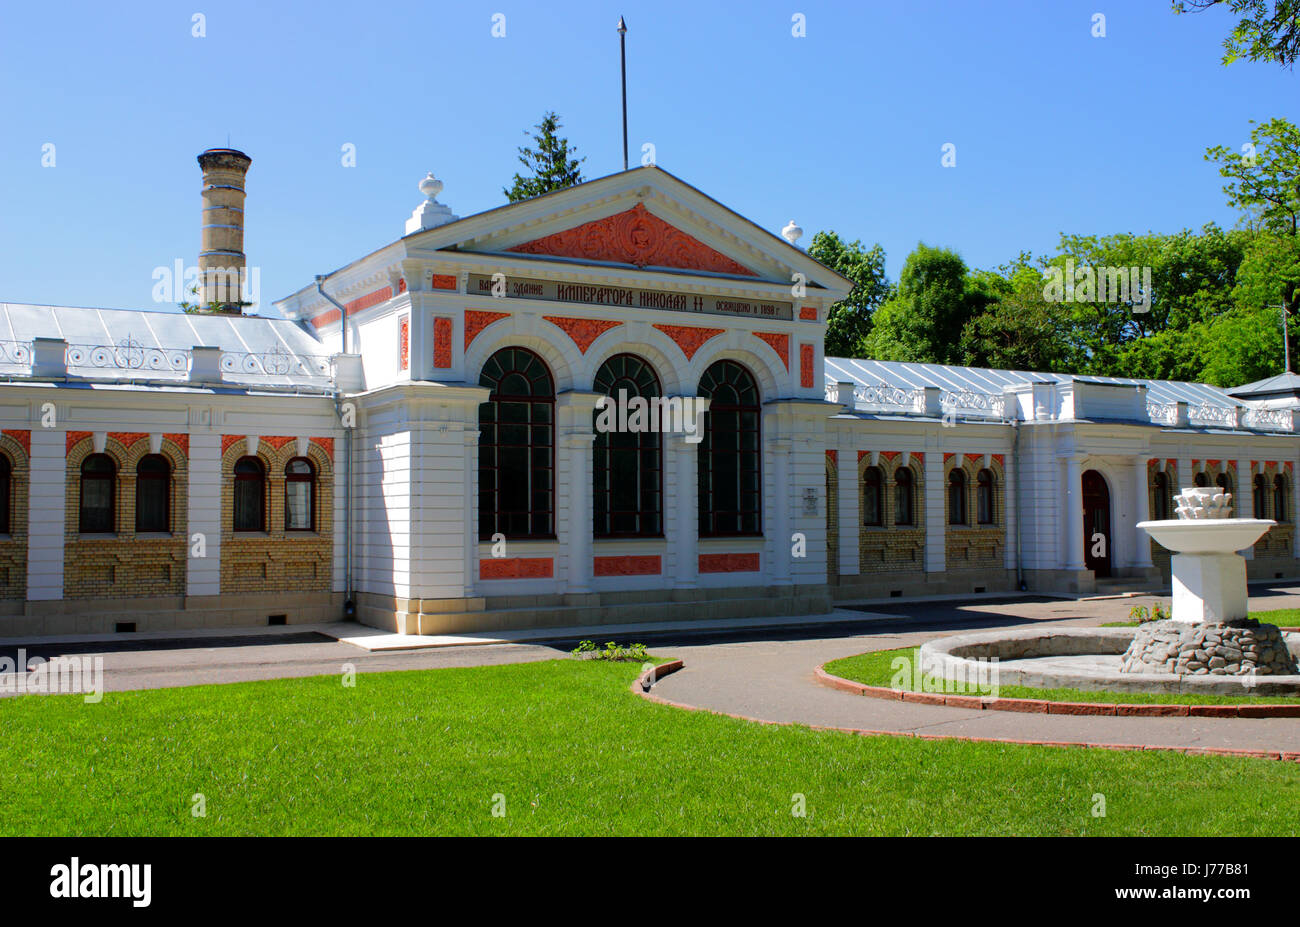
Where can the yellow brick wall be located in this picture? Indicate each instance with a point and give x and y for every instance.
(974, 546)
(123, 564)
(277, 560)
(888, 547)
(1278, 543)
(13, 548)
(832, 518)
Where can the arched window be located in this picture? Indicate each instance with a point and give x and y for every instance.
(957, 497)
(98, 494)
(153, 490)
(1261, 496)
(903, 507)
(1279, 499)
(299, 495)
(250, 495)
(516, 448)
(1160, 507)
(6, 493)
(1200, 480)
(873, 497)
(627, 472)
(729, 494)
(1224, 482)
(985, 512)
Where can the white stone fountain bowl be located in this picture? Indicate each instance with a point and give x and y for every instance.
(1207, 535)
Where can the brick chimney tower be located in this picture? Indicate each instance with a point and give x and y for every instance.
(221, 254)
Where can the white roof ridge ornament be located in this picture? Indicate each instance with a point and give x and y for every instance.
(429, 214)
(792, 233)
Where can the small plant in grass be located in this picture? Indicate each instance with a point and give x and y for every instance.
(613, 651)
(1141, 614)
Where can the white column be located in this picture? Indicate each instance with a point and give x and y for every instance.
(779, 452)
(203, 518)
(1141, 509)
(45, 498)
(1074, 515)
(935, 523)
(470, 483)
(575, 411)
(1244, 500)
(687, 505)
(850, 522)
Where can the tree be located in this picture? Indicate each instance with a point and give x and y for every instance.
(551, 164)
(923, 320)
(1019, 329)
(1264, 180)
(849, 320)
(1266, 31)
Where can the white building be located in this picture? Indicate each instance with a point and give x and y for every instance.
(439, 467)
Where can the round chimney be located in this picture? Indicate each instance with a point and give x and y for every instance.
(221, 254)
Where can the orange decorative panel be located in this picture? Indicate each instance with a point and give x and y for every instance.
(401, 285)
(835, 456)
(918, 457)
(127, 438)
(71, 439)
(326, 445)
(325, 318)
(227, 440)
(1001, 461)
(404, 342)
(728, 563)
(476, 321)
(805, 365)
(370, 299)
(582, 331)
(278, 441)
(779, 343)
(808, 313)
(181, 441)
(444, 282)
(948, 457)
(442, 343)
(626, 566)
(689, 339)
(516, 568)
(635, 236)
(23, 436)
(889, 455)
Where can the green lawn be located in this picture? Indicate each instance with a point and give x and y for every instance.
(1282, 617)
(875, 669)
(573, 752)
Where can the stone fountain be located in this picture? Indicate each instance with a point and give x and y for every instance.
(1209, 632)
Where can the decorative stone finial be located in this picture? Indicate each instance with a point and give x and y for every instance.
(429, 214)
(792, 232)
(1199, 502)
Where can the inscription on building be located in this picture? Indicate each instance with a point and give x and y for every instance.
(627, 297)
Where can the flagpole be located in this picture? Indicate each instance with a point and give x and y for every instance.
(622, 60)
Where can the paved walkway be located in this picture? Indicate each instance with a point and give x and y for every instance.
(772, 680)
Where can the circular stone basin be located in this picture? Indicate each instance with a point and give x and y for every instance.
(1079, 658)
(1207, 535)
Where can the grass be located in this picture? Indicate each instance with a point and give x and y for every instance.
(875, 669)
(1282, 617)
(573, 752)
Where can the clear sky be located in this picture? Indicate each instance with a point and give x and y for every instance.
(1055, 130)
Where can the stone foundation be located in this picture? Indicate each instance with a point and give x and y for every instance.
(1235, 648)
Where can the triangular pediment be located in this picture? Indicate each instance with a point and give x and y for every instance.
(643, 219)
(638, 237)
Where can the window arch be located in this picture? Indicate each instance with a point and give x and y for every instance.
(873, 497)
(1224, 482)
(6, 493)
(153, 491)
(1201, 480)
(730, 497)
(985, 510)
(98, 495)
(1160, 508)
(904, 507)
(250, 495)
(957, 497)
(627, 471)
(516, 450)
(1261, 496)
(1280, 507)
(300, 495)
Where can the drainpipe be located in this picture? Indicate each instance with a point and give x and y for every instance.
(349, 604)
(1015, 465)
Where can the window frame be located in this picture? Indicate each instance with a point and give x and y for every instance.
(741, 380)
(957, 488)
(873, 483)
(536, 371)
(986, 486)
(905, 491)
(1281, 502)
(295, 478)
(110, 476)
(237, 478)
(606, 457)
(165, 479)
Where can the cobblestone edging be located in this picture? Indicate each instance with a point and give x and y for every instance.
(1043, 706)
(646, 680)
(1211, 649)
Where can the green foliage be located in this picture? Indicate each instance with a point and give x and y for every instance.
(924, 318)
(1264, 183)
(551, 164)
(1141, 614)
(849, 320)
(1266, 31)
(613, 651)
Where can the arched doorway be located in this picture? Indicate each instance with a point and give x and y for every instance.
(1096, 523)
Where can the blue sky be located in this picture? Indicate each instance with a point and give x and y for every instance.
(1055, 130)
